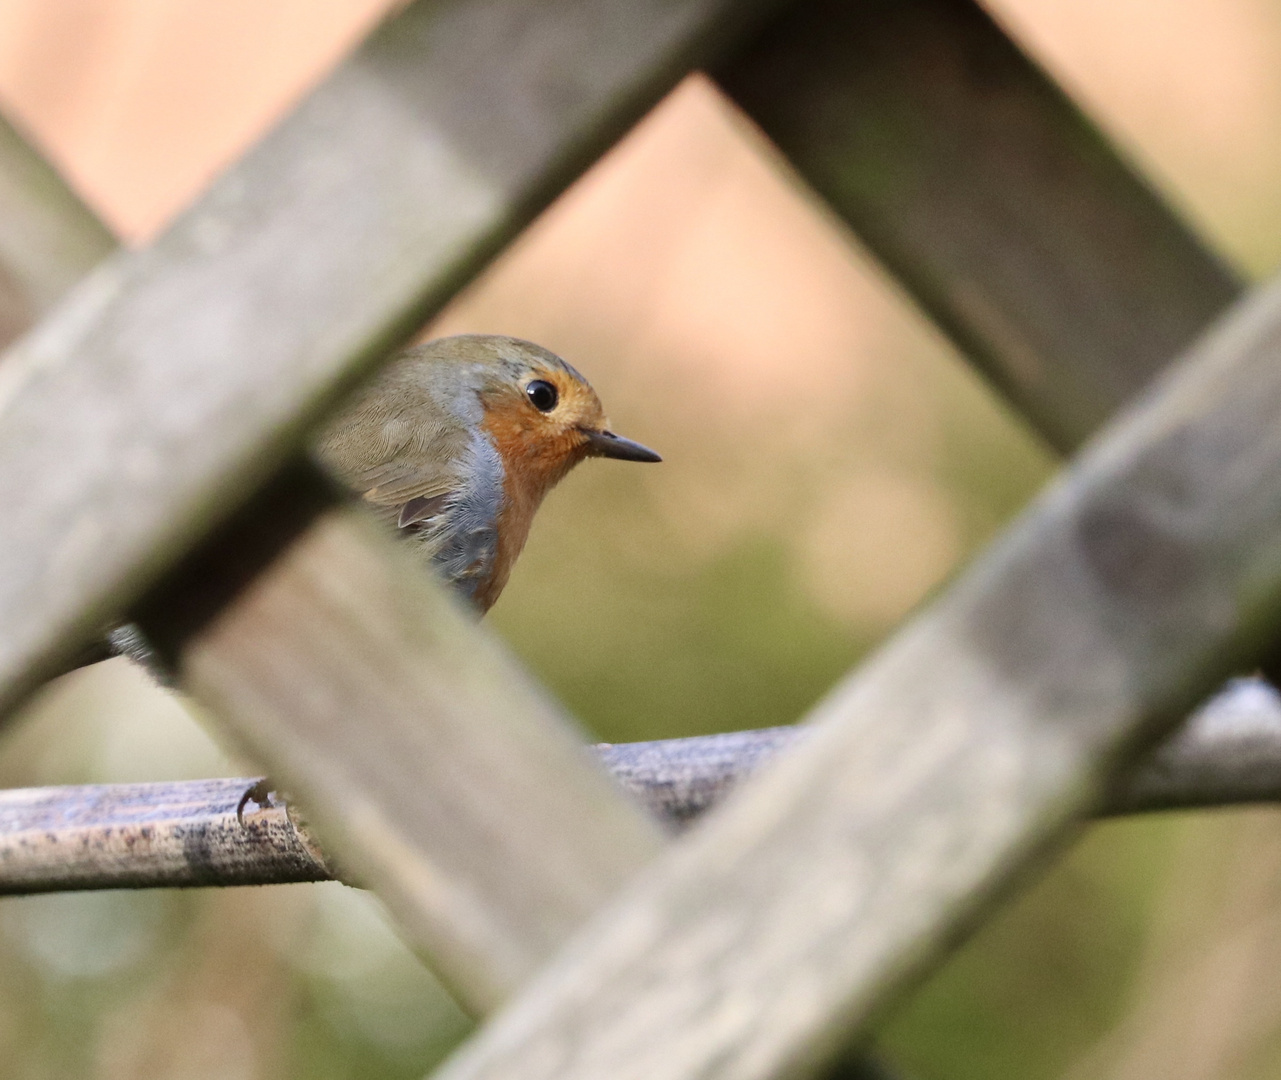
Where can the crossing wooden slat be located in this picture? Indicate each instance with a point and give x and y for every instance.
(177, 379)
(952, 762)
(979, 184)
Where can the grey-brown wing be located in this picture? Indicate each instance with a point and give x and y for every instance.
(404, 465)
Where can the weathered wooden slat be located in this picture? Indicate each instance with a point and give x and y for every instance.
(959, 755)
(979, 184)
(206, 832)
(176, 379)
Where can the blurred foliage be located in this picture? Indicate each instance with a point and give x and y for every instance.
(1044, 979)
(830, 462)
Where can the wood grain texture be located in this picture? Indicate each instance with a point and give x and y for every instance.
(773, 931)
(680, 779)
(134, 836)
(1001, 207)
(460, 795)
(176, 379)
(188, 833)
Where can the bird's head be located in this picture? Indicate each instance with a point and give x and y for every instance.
(458, 440)
(542, 416)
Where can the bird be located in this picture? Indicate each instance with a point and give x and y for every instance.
(456, 442)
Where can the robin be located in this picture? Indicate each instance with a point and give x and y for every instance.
(456, 443)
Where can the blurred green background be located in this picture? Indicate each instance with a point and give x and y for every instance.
(829, 462)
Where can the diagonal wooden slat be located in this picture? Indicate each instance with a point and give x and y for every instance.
(986, 191)
(953, 761)
(177, 379)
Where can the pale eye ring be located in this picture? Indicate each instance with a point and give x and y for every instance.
(542, 395)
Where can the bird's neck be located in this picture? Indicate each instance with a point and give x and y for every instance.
(530, 471)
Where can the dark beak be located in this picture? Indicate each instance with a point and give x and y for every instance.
(607, 444)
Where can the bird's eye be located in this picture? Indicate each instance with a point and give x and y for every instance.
(542, 395)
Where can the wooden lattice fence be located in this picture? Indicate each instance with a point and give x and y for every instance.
(151, 466)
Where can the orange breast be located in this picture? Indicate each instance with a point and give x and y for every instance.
(534, 460)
